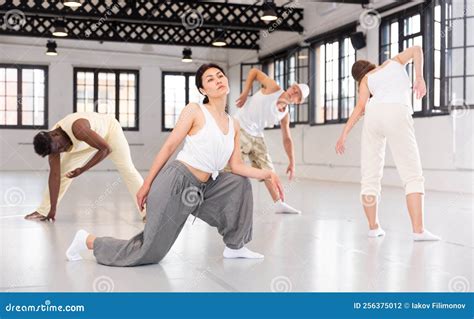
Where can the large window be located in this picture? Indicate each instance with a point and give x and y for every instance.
(107, 91)
(287, 69)
(399, 32)
(459, 43)
(334, 86)
(179, 90)
(23, 96)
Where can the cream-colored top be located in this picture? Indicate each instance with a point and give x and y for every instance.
(100, 123)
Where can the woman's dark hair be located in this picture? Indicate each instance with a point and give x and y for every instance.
(199, 73)
(42, 143)
(361, 68)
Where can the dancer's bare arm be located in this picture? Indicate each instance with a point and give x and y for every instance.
(288, 145)
(81, 129)
(414, 53)
(269, 85)
(238, 166)
(54, 183)
(357, 113)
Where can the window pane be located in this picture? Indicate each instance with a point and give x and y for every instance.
(174, 98)
(27, 118)
(394, 32)
(12, 118)
(457, 33)
(469, 62)
(470, 26)
(470, 92)
(12, 88)
(12, 103)
(12, 75)
(27, 75)
(320, 83)
(436, 92)
(456, 67)
(27, 89)
(385, 34)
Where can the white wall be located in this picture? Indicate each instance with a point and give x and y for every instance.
(15, 144)
(445, 142)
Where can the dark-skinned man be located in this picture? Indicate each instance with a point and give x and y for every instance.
(77, 143)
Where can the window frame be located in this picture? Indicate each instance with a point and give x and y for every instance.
(163, 98)
(117, 72)
(427, 33)
(338, 34)
(446, 26)
(19, 68)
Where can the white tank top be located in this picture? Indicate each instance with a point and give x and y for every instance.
(390, 84)
(209, 149)
(100, 123)
(260, 111)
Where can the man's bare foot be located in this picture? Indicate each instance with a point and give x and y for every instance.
(34, 216)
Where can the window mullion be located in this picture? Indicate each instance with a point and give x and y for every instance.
(96, 90)
(117, 97)
(19, 96)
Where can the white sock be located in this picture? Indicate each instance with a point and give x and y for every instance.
(243, 252)
(282, 207)
(78, 244)
(376, 232)
(425, 236)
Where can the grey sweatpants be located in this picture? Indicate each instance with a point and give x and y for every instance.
(225, 203)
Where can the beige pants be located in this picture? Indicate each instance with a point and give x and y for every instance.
(120, 156)
(255, 149)
(390, 124)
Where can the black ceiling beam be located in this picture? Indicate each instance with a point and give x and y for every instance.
(185, 22)
(346, 1)
(205, 14)
(132, 32)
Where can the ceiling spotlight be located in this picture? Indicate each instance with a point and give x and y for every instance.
(60, 28)
(187, 55)
(51, 46)
(269, 13)
(219, 38)
(72, 4)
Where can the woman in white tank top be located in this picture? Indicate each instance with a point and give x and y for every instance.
(385, 99)
(191, 185)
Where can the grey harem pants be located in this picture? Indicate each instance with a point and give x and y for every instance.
(225, 203)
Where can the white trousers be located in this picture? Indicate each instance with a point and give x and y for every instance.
(120, 156)
(390, 124)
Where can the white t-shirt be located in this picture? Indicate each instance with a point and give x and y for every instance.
(260, 111)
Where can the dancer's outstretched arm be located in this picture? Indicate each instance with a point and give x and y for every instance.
(414, 53)
(184, 124)
(267, 83)
(83, 132)
(288, 145)
(238, 167)
(357, 113)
